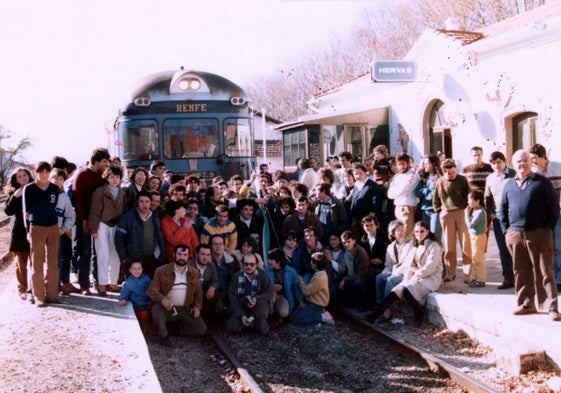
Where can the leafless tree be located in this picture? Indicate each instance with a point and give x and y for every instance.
(381, 33)
(10, 157)
(473, 14)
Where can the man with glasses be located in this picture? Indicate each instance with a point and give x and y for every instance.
(250, 294)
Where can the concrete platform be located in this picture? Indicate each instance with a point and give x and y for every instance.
(486, 314)
(85, 344)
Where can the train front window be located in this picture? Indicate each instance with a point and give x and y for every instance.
(139, 140)
(186, 138)
(238, 138)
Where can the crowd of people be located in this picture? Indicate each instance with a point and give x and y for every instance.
(283, 247)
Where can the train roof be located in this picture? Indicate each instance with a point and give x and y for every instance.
(166, 85)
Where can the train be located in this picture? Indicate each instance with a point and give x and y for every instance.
(196, 122)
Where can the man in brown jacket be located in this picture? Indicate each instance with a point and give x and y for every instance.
(177, 296)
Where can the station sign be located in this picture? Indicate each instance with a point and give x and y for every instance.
(394, 71)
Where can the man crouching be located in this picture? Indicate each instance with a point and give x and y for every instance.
(250, 294)
(177, 296)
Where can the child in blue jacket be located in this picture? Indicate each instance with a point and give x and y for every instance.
(134, 290)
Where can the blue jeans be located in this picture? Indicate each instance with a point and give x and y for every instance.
(381, 286)
(84, 244)
(309, 315)
(307, 277)
(504, 254)
(384, 285)
(64, 259)
(431, 218)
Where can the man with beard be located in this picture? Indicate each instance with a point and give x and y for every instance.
(177, 296)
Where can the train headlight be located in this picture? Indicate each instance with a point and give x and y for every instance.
(189, 84)
(237, 101)
(142, 101)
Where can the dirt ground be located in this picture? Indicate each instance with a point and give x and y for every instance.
(58, 348)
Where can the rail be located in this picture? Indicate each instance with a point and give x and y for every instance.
(245, 376)
(435, 363)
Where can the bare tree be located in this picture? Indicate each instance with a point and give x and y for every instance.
(381, 33)
(10, 157)
(473, 14)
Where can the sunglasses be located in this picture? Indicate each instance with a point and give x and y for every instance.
(249, 264)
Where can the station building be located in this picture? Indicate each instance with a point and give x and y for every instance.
(498, 88)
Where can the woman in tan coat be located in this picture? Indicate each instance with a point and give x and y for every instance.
(423, 276)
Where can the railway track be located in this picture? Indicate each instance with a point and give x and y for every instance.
(230, 345)
(245, 376)
(435, 363)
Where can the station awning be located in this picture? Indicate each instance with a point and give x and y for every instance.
(352, 117)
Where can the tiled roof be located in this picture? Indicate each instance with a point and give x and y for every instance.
(467, 37)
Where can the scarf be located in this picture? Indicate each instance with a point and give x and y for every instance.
(254, 284)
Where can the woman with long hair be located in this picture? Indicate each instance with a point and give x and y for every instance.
(421, 277)
(430, 171)
(19, 245)
(137, 179)
(336, 267)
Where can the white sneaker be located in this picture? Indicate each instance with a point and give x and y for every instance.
(326, 317)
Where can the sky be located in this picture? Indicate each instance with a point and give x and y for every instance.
(68, 66)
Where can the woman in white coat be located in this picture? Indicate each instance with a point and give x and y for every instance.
(423, 276)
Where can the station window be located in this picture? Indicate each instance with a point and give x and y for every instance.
(294, 146)
(139, 140)
(524, 130)
(439, 132)
(191, 138)
(238, 138)
(353, 140)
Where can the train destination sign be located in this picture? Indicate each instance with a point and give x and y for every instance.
(394, 71)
